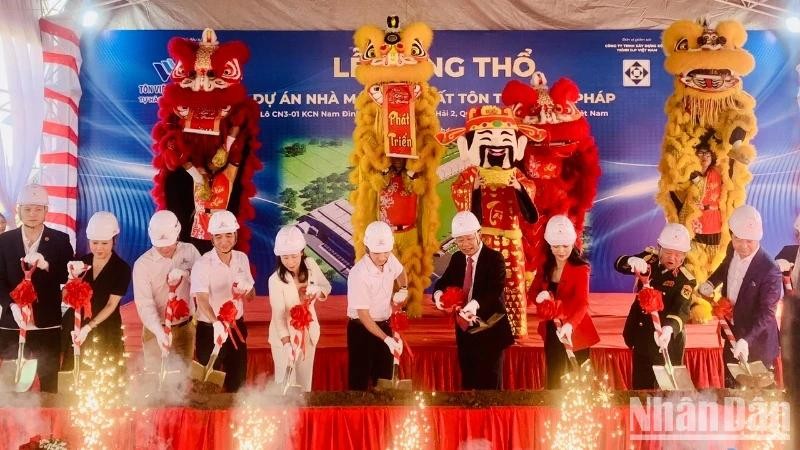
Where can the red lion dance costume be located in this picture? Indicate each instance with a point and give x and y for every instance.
(206, 138)
(499, 194)
(565, 166)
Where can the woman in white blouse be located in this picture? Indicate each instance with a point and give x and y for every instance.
(296, 278)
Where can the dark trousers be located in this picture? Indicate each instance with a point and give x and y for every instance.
(556, 357)
(643, 362)
(41, 345)
(232, 361)
(368, 357)
(481, 363)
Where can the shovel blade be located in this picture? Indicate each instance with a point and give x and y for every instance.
(678, 380)
(27, 375)
(396, 385)
(759, 376)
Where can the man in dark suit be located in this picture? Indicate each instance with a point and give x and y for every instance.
(752, 282)
(480, 272)
(50, 251)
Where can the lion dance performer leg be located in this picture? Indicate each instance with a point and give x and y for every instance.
(499, 194)
(395, 152)
(706, 150)
(206, 138)
(565, 166)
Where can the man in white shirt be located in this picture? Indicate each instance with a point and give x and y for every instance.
(370, 288)
(161, 277)
(221, 276)
(752, 282)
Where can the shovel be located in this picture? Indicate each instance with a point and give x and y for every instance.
(752, 375)
(669, 377)
(482, 326)
(586, 367)
(290, 385)
(71, 377)
(207, 374)
(18, 375)
(395, 383)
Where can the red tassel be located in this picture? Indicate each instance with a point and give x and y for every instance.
(300, 316)
(547, 310)
(177, 309)
(651, 300)
(24, 294)
(78, 295)
(452, 297)
(399, 321)
(227, 315)
(723, 309)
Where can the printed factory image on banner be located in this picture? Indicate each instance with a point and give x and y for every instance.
(305, 88)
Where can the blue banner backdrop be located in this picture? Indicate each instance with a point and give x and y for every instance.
(303, 83)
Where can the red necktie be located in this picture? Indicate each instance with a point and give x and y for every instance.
(467, 286)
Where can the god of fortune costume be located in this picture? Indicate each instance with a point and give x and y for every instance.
(565, 165)
(492, 140)
(395, 154)
(708, 110)
(206, 137)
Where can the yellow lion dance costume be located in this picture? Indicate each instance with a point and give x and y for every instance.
(706, 150)
(395, 152)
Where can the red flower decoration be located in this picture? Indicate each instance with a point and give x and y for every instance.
(452, 297)
(651, 300)
(228, 312)
(300, 316)
(177, 309)
(723, 309)
(24, 294)
(78, 295)
(547, 310)
(399, 321)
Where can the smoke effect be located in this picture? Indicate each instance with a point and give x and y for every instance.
(263, 419)
(27, 418)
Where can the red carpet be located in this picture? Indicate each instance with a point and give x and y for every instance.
(434, 366)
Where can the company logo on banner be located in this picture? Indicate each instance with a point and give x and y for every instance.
(307, 108)
(636, 72)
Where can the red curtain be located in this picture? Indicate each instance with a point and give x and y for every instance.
(338, 428)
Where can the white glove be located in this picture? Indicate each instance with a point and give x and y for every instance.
(242, 286)
(313, 291)
(176, 274)
(706, 289)
(80, 336)
(17, 313)
(565, 333)
(741, 350)
(544, 295)
(196, 175)
(164, 340)
(393, 344)
(784, 265)
(662, 340)
(437, 300)
(400, 296)
(37, 259)
(471, 307)
(76, 268)
(638, 264)
(220, 333)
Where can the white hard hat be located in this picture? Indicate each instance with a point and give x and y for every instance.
(164, 228)
(464, 223)
(560, 231)
(378, 237)
(745, 223)
(675, 236)
(102, 226)
(222, 222)
(33, 194)
(289, 241)
(797, 223)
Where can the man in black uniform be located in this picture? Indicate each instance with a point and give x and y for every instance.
(664, 267)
